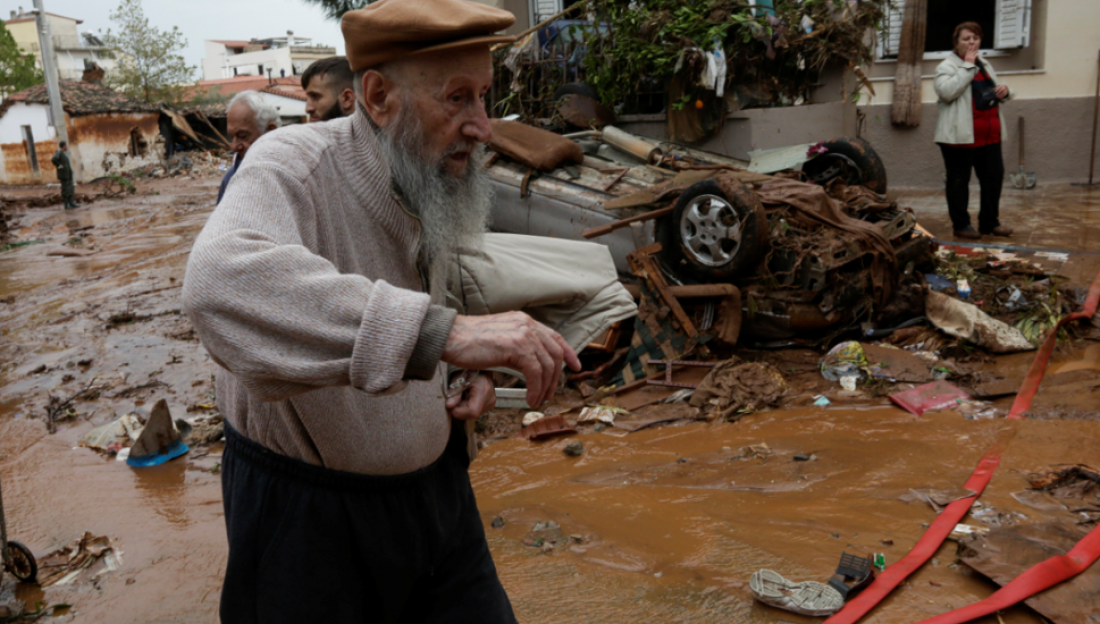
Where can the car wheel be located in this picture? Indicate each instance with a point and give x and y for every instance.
(853, 160)
(576, 88)
(713, 235)
(23, 565)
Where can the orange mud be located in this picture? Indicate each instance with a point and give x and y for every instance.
(673, 525)
(660, 540)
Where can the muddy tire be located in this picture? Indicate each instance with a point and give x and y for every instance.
(711, 235)
(23, 565)
(576, 88)
(853, 160)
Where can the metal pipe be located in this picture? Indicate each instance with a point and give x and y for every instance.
(1095, 120)
(49, 68)
(631, 144)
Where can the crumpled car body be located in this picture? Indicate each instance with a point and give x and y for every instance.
(727, 237)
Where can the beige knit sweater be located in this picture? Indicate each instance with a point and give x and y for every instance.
(304, 288)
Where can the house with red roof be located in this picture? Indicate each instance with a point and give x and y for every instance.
(108, 132)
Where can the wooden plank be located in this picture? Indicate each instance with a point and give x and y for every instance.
(906, 109)
(615, 225)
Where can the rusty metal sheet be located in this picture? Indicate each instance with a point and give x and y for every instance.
(548, 427)
(1004, 553)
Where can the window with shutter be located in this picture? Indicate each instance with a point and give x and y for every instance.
(890, 37)
(547, 8)
(1013, 27)
(1006, 25)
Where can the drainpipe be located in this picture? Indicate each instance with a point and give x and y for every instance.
(53, 88)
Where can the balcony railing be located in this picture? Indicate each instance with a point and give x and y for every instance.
(313, 50)
(66, 42)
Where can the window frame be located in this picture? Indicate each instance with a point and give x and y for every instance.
(882, 37)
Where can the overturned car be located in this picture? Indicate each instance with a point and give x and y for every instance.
(806, 233)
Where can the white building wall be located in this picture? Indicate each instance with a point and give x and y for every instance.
(11, 144)
(213, 61)
(247, 64)
(20, 114)
(288, 107)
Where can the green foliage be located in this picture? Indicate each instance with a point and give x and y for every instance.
(647, 43)
(150, 66)
(17, 70)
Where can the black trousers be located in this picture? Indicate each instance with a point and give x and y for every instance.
(308, 544)
(989, 165)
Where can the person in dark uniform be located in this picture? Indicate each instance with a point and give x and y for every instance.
(65, 175)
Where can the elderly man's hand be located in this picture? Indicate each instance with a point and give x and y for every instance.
(511, 340)
(479, 397)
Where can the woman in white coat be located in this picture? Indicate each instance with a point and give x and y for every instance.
(969, 132)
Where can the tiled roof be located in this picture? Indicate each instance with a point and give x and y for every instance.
(294, 95)
(210, 110)
(232, 43)
(236, 84)
(82, 98)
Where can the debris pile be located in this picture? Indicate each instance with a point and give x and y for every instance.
(709, 57)
(196, 164)
(148, 442)
(734, 388)
(1006, 287)
(85, 559)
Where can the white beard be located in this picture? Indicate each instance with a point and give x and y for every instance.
(453, 212)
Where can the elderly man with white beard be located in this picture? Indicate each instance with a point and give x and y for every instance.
(316, 286)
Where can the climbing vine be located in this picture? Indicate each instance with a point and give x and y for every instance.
(635, 53)
(773, 56)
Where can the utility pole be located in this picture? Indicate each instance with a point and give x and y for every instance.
(49, 68)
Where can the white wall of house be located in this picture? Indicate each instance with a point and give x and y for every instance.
(213, 60)
(99, 153)
(21, 114)
(288, 107)
(219, 64)
(19, 170)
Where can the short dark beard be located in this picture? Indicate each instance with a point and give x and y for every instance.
(453, 211)
(335, 112)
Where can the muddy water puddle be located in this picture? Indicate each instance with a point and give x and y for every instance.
(668, 524)
(165, 520)
(664, 525)
(109, 315)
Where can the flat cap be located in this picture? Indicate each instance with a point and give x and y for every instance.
(387, 30)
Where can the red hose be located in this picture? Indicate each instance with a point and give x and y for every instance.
(1039, 366)
(1041, 576)
(1031, 581)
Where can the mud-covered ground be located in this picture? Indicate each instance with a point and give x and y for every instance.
(664, 524)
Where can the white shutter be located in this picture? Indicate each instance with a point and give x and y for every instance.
(547, 8)
(1013, 25)
(890, 40)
